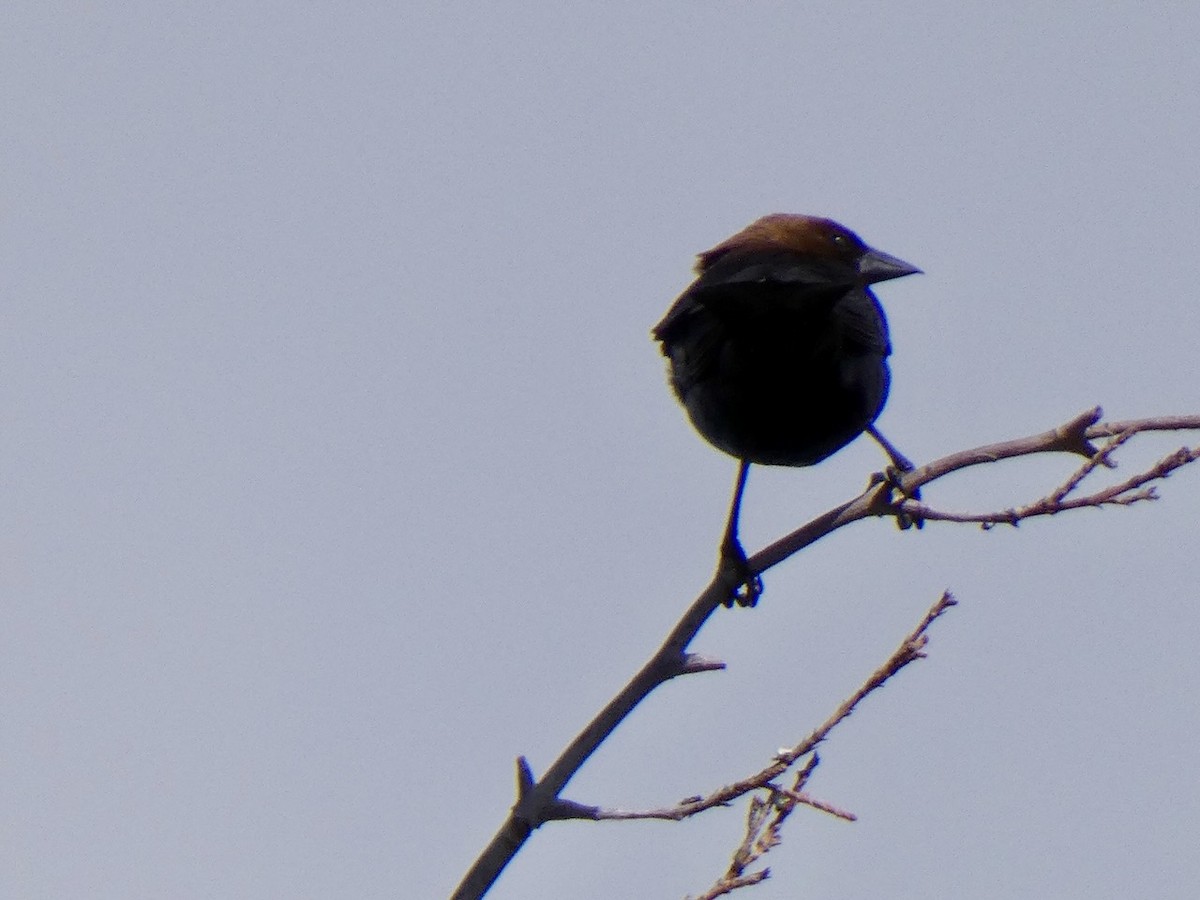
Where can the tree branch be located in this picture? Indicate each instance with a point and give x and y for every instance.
(910, 650)
(538, 800)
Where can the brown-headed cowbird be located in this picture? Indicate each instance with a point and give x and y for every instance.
(778, 351)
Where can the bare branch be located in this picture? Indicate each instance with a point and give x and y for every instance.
(1132, 490)
(819, 805)
(539, 800)
(729, 885)
(910, 650)
(765, 817)
(1137, 426)
(1102, 457)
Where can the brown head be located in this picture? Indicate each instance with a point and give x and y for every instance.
(810, 236)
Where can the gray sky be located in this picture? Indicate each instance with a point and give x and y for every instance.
(339, 469)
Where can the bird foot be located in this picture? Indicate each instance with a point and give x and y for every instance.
(745, 587)
(892, 476)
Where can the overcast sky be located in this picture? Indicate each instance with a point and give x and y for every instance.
(338, 467)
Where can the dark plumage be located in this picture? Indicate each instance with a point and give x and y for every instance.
(778, 350)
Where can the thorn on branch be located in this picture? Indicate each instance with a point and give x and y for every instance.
(1073, 436)
(525, 780)
(533, 813)
(695, 662)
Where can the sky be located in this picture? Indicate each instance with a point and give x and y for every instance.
(338, 468)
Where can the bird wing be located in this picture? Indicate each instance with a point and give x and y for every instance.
(757, 282)
(862, 321)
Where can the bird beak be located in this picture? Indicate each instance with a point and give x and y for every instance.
(876, 266)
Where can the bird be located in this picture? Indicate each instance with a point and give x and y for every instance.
(778, 352)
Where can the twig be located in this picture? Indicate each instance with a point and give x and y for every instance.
(1132, 490)
(765, 817)
(911, 649)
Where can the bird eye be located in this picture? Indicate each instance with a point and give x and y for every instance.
(839, 239)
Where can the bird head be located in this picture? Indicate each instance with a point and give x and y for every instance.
(815, 238)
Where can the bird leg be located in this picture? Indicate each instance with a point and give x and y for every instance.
(900, 465)
(899, 460)
(745, 586)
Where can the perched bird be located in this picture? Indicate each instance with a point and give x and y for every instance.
(778, 351)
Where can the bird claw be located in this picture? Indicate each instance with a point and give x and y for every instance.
(745, 587)
(892, 477)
